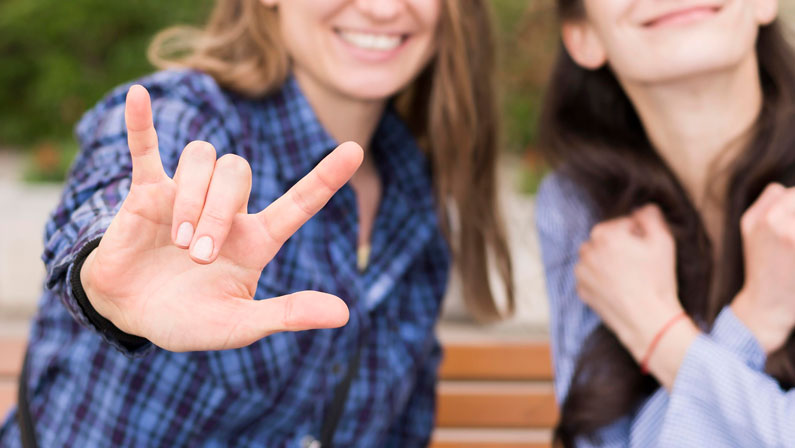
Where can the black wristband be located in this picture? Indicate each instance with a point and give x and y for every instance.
(106, 327)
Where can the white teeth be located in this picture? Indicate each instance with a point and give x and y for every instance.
(381, 42)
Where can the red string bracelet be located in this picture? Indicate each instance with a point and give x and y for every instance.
(644, 365)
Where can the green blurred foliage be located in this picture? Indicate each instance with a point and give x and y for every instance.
(528, 39)
(59, 58)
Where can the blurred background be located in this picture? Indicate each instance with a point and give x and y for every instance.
(78, 51)
(59, 58)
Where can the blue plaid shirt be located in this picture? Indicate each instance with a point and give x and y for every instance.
(87, 390)
(721, 397)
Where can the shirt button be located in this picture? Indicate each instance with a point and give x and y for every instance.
(336, 369)
(310, 442)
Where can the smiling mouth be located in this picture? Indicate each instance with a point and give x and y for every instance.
(683, 16)
(372, 41)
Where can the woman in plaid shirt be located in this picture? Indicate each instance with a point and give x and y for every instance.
(158, 328)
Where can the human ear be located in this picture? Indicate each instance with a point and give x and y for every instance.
(583, 44)
(765, 11)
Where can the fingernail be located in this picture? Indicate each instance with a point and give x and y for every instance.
(203, 248)
(184, 234)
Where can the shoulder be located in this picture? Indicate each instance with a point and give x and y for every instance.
(563, 209)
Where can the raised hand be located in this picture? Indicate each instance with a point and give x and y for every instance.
(180, 262)
(766, 303)
(627, 275)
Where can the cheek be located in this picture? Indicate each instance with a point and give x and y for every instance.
(427, 12)
(303, 23)
(429, 15)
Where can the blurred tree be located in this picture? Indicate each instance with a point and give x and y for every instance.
(60, 57)
(528, 39)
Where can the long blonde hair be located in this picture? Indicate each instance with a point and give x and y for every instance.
(451, 108)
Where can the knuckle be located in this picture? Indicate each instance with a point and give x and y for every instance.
(770, 220)
(598, 231)
(301, 201)
(324, 183)
(188, 204)
(288, 319)
(746, 224)
(214, 218)
(584, 250)
(267, 230)
(578, 268)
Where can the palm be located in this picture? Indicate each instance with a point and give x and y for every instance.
(150, 287)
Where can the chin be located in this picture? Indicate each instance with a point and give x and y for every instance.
(689, 58)
(371, 88)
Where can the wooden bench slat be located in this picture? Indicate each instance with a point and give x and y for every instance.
(469, 444)
(496, 361)
(497, 405)
(491, 438)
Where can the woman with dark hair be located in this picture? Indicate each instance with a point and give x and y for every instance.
(668, 228)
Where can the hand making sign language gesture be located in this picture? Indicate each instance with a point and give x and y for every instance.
(180, 262)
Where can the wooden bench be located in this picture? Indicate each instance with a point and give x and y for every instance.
(495, 394)
(491, 395)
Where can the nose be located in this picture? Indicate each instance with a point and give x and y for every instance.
(381, 10)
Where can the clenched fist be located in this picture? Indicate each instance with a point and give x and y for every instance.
(766, 303)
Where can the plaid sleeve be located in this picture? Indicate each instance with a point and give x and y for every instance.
(100, 178)
(414, 425)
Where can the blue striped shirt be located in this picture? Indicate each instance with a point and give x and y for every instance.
(88, 390)
(721, 396)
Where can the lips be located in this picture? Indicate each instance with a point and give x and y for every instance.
(682, 16)
(372, 41)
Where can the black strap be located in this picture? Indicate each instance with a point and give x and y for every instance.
(26, 429)
(337, 406)
(104, 326)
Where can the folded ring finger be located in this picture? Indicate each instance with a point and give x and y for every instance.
(194, 172)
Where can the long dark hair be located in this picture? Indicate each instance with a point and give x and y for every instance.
(609, 156)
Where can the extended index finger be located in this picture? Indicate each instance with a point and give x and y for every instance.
(142, 138)
(288, 213)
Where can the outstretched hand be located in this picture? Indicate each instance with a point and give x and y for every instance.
(180, 262)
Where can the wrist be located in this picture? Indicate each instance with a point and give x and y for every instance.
(667, 357)
(86, 278)
(646, 327)
(88, 284)
(770, 326)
